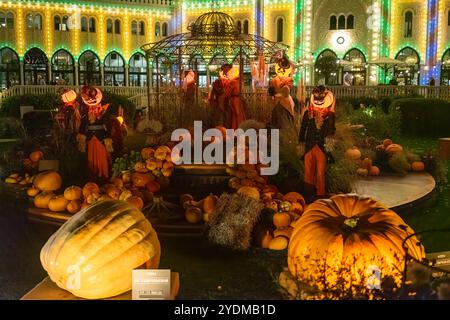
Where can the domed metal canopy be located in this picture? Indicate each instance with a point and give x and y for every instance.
(214, 23)
(213, 34)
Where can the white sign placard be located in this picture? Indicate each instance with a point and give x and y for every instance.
(151, 284)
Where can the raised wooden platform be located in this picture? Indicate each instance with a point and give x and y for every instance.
(397, 192)
(48, 290)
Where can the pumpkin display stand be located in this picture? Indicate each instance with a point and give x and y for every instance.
(48, 290)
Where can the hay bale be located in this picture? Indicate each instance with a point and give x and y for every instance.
(234, 220)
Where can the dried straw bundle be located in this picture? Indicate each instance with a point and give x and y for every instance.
(232, 223)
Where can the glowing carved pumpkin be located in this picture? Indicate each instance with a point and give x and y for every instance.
(348, 230)
(101, 244)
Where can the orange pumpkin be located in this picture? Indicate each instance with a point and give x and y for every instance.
(294, 197)
(353, 153)
(140, 167)
(281, 219)
(265, 241)
(48, 181)
(118, 183)
(33, 191)
(37, 155)
(283, 232)
(417, 166)
(73, 193)
(366, 164)
(193, 215)
(394, 148)
(141, 179)
(374, 171)
(41, 200)
(112, 191)
(73, 207)
(151, 164)
(350, 232)
(362, 172)
(147, 153)
(278, 243)
(90, 188)
(209, 204)
(58, 203)
(387, 143)
(136, 202)
(250, 192)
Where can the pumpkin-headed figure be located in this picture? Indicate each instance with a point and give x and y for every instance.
(68, 117)
(317, 130)
(95, 133)
(230, 79)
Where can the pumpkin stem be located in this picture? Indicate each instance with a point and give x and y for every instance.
(351, 222)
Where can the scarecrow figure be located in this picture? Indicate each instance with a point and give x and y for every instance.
(216, 101)
(95, 133)
(68, 117)
(189, 88)
(234, 106)
(316, 137)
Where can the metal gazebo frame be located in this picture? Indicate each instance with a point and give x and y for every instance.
(212, 34)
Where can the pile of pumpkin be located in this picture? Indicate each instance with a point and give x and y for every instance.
(198, 211)
(30, 165)
(15, 178)
(365, 165)
(74, 198)
(278, 218)
(153, 172)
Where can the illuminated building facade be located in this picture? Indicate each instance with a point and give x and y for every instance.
(335, 41)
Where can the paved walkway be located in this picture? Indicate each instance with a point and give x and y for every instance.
(395, 191)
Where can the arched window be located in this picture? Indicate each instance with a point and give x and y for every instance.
(134, 27)
(9, 68)
(65, 23)
(117, 26)
(89, 69)
(327, 68)
(35, 67)
(84, 24)
(333, 23)
(448, 18)
(57, 22)
(2, 20)
(354, 73)
(341, 22)
(239, 26)
(29, 19)
(142, 28)
(165, 30)
(138, 70)
(408, 24)
(92, 24)
(246, 26)
(351, 22)
(63, 70)
(114, 70)
(409, 72)
(280, 30)
(109, 26)
(37, 24)
(445, 69)
(10, 20)
(157, 30)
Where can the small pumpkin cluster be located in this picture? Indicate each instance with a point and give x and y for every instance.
(394, 150)
(31, 163)
(365, 165)
(284, 210)
(198, 211)
(15, 178)
(246, 175)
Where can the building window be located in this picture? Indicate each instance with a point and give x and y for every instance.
(134, 27)
(84, 24)
(138, 70)
(63, 71)
(114, 70)
(35, 67)
(351, 22)
(34, 21)
(448, 18)
(239, 26)
(117, 26)
(280, 31)
(333, 23)
(6, 20)
(165, 30)
(65, 24)
(341, 22)
(9, 68)
(142, 28)
(89, 69)
(92, 25)
(109, 26)
(408, 24)
(246, 26)
(56, 22)
(409, 72)
(157, 29)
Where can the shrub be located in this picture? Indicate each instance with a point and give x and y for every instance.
(423, 117)
(376, 122)
(11, 105)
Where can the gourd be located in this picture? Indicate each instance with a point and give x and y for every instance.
(93, 254)
(48, 181)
